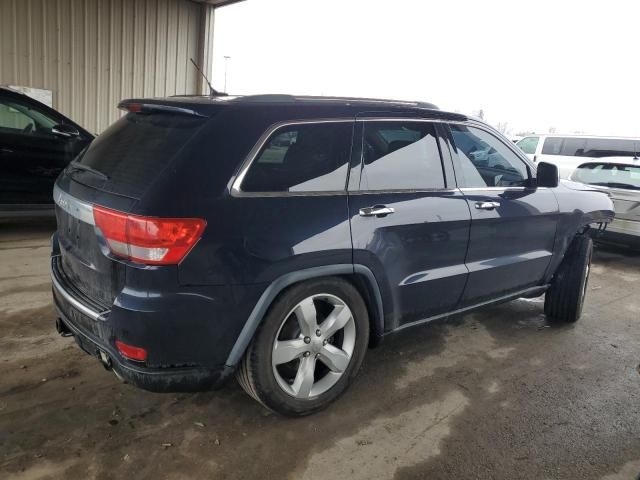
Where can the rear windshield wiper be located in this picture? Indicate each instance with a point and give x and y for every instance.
(75, 166)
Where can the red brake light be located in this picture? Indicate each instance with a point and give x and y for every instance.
(148, 240)
(132, 353)
(132, 107)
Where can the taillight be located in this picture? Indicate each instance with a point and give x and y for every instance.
(138, 354)
(148, 240)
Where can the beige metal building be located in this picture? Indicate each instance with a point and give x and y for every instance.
(93, 53)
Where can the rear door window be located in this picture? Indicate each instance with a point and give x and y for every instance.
(401, 156)
(485, 161)
(310, 157)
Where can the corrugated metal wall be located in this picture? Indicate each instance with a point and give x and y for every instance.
(93, 53)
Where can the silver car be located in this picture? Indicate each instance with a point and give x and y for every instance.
(620, 178)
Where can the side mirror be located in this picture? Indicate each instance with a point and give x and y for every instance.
(547, 175)
(63, 130)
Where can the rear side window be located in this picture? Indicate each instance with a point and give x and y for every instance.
(573, 147)
(610, 147)
(528, 145)
(311, 157)
(135, 150)
(484, 161)
(591, 147)
(401, 156)
(552, 146)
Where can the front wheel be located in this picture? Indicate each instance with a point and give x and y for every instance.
(308, 348)
(565, 297)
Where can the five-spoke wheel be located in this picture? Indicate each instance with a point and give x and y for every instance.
(314, 346)
(309, 346)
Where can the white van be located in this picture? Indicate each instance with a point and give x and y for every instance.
(569, 151)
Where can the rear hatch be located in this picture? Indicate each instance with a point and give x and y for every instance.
(620, 178)
(115, 172)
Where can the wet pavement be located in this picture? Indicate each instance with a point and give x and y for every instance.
(500, 393)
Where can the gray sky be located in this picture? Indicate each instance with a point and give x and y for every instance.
(571, 65)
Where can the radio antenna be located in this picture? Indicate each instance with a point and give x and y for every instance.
(212, 91)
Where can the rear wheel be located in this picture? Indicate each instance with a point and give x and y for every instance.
(565, 297)
(308, 348)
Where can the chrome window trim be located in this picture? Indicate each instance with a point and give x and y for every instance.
(78, 209)
(501, 189)
(235, 183)
(407, 190)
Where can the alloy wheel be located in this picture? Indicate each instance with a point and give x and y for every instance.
(313, 346)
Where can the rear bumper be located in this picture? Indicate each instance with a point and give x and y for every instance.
(191, 379)
(93, 330)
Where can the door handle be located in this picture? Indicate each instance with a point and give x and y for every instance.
(487, 205)
(376, 211)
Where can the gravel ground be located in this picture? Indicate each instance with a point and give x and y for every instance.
(500, 393)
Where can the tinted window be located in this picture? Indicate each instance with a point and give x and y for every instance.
(400, 156)
(529, 145)
(609, 147)
(591, 147)
(302, 158)
(135, 150)
(609, 175)
(552, 146)
(485, 161)
(572, 147)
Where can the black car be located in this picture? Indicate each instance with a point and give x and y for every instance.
(277, 237)
(36, 144)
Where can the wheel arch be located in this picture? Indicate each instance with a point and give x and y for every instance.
(359, 275)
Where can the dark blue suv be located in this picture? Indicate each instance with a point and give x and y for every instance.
(278, 237)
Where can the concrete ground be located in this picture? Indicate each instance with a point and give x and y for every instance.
(496, 394)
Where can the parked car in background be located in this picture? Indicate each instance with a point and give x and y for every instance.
(36, 144)
(569, 151)
(620, 178)
(277, 237)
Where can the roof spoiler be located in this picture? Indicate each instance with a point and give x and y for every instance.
(139, 107)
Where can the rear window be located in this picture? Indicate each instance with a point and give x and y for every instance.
(612, 175)
(136, 149)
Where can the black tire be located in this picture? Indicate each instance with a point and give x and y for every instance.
(565, 297)
(256, 374)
